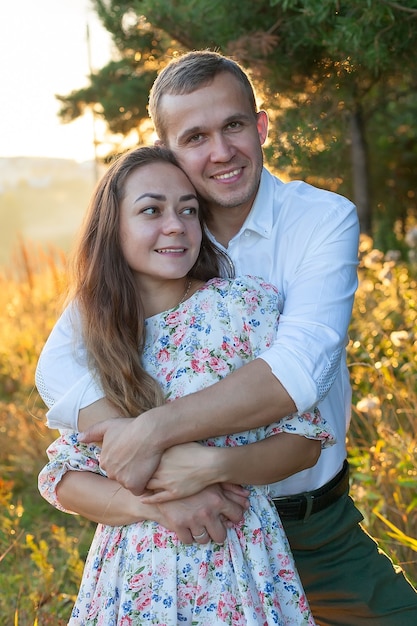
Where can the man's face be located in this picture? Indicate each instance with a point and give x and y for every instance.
(217, 139)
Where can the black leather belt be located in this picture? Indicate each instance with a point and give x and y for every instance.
(302, 505)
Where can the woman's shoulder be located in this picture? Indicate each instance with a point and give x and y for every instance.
(243, 293)
(242, 284)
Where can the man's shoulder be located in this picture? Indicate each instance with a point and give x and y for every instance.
(298, 198)
(304, 194)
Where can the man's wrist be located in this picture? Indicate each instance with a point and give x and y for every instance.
(160, 427)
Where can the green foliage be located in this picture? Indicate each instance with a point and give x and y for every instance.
(42, 550)
(382, 355)
(320, 66)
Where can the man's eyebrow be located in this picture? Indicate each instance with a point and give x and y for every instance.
(188, 196)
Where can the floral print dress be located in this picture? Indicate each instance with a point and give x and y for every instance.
(141, 573)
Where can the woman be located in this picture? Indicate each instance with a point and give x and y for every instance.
(153, 323)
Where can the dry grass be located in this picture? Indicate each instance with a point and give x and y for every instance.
(42, 550)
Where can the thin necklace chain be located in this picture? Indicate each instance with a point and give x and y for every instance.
(186, 292)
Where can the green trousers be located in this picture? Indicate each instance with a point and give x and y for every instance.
(347, 579)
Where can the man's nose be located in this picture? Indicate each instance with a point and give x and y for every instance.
(221, 149)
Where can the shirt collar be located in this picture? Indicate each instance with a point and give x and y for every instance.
(261, 216)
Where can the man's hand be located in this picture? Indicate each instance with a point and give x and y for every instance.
(129, 454)
(213, 510)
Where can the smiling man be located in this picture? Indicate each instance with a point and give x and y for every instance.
(305, 241)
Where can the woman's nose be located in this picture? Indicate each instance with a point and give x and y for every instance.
(173, 224)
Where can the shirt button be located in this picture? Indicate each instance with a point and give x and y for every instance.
(247, 233)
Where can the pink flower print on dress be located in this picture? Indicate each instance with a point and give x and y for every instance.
(144, 601)
(257, 536)
(227, 608)
(228, 349)
(218, 365)
(286, 574)
(163, 356)
(202, 599)
(218, 559)
(199, 360)
(143, 545)
(197, 366)
(138, 581)
(160, 539)
(173, 319)
(178, 336)
(203, 570)
(252, 300)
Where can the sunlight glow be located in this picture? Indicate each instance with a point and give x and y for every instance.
(44, 52)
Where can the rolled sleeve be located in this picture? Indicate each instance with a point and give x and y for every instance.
(319, 293)
(62, 377)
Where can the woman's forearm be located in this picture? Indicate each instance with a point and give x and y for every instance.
(102, 500)
(188, 468)
(265, 462)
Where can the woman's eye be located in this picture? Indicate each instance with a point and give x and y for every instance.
(150, 210)
(192, 210)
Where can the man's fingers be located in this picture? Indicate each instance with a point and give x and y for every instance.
(95, 433)
(157, 497)
(237, 489)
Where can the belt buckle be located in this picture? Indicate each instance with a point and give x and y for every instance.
(304, 502)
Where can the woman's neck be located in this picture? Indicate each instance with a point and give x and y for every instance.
(168, 296)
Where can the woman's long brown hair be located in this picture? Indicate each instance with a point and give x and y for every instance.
(103, 286)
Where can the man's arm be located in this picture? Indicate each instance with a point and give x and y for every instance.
(199, 469)
(249, 397)
(191, 467)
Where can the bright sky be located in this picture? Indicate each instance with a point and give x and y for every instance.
(43, 52)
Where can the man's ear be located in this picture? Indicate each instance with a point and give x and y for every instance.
(262, 125)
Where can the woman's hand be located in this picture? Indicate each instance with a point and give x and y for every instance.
(184, 470)
(206, 515)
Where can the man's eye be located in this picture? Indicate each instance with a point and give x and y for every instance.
(195, 138)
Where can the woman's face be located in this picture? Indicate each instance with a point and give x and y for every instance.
(159, 226)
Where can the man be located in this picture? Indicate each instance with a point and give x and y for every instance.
(304, 240)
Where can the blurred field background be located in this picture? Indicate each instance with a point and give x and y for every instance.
(42, 550)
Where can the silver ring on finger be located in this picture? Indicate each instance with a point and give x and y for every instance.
(200, 536)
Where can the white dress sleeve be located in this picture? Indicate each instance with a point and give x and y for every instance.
(66, 454)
